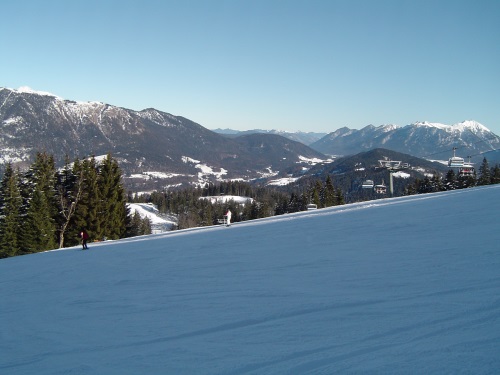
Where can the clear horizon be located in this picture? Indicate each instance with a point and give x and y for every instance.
(296, 65)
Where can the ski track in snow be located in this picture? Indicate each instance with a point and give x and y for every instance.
(401, 285)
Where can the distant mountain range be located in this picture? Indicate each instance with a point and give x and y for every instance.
(306, 138)
(422, 139)
(157, 150)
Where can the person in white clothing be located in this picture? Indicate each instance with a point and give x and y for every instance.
(228, 217)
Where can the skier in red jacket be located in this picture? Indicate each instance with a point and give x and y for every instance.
(84, 236)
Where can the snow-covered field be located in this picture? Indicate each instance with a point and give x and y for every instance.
(404, 285)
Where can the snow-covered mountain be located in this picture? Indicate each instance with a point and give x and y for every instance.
(155, 149)
(421, 139)
(406, 285)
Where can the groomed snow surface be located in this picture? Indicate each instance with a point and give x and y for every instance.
(405, 285)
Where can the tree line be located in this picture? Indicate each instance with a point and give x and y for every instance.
(45, 208)
(456, 180)
(192, 208)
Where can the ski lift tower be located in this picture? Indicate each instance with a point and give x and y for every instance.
(392, 166)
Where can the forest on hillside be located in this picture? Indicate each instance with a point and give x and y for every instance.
(45, 208)
(191, 210)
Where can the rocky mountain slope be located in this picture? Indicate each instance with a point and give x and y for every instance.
(155, 149)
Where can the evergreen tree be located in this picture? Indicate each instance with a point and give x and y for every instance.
(411, 189)
(87, 211)
(495, 174)
(316, 194)
(39, 230)
(425, 186)
(206, 212)
(465, 181)
(330, 199)
(450, 181)
(10, 213)
(294, 203)
(484, 173)
(281, 206)
(69, 193)
(113, 213)
(437, 182)
(339, 198)
(304, 201)
(145, 227)
(135, 225)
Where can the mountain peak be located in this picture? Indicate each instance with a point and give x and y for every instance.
(387, 127)
(29, 90)
(428, 124)
(470, 125)
(461, 126)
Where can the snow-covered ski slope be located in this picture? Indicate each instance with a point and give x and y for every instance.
(406, 285)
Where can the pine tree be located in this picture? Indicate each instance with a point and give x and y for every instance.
(68, 195)
(411, 189)
(112, 202)
(10, 213)
(39, 230)
(495, 174)
(206, 214)
(304, 201)
(316, 194)
(145, 227)
(87, 211)
(450, 181)
(466, 181)
(135, 225)
(339, 197)
(329, 192)
(437, 182)
(425, 186)
(484, 173)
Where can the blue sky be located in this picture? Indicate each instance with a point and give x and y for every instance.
(305, 65)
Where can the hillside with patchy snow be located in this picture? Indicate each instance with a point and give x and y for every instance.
(159, 222)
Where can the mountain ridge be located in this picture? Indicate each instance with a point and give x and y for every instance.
(142, 141)
(421, 139)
